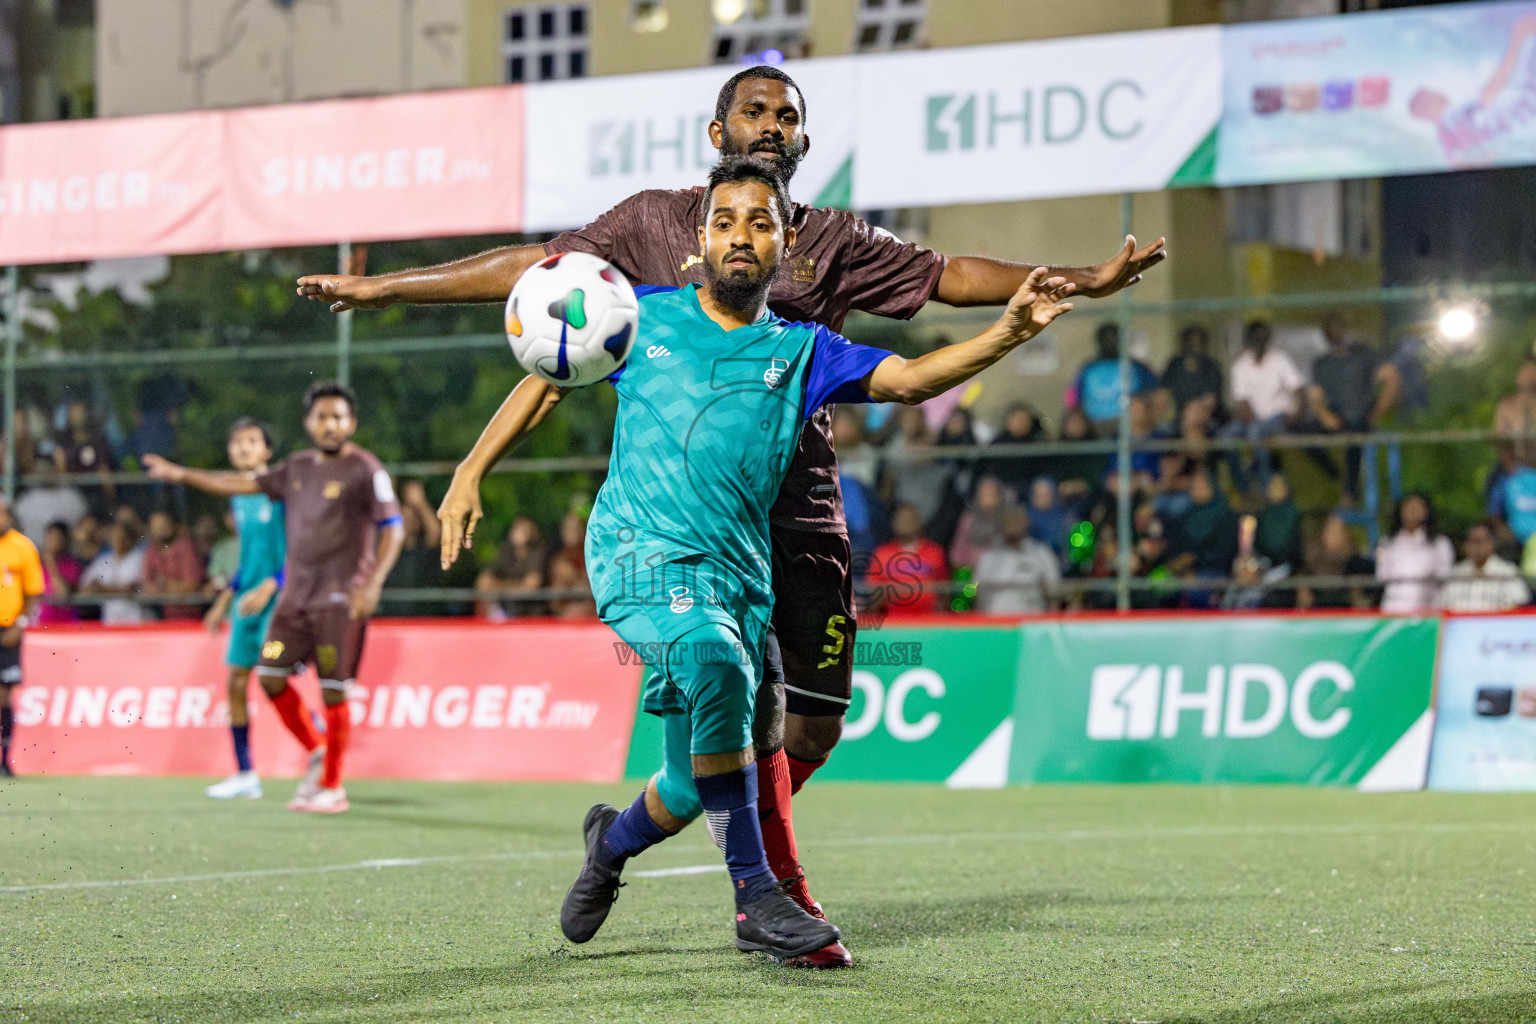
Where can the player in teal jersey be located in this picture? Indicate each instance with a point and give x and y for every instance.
(711, 404)
(263, 544)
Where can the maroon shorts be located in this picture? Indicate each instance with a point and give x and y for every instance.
(325, 636)
(813, 620)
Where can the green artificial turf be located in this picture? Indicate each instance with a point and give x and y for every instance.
(1046, 904)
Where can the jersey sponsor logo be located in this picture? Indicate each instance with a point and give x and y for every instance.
(332, 489)
(657, 351)
(775, 372)
(383, 487)
(802, 269)
(692, 261)
(682, 599)
(325, 659)
(834, 650)
(272, 650)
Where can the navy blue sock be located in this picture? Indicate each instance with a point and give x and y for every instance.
(730, 808)
(242, 738)
(631, 832)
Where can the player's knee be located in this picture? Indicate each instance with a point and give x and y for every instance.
(809, 738)
(768, 716)
(678, 794)
(271, 684)
(722, 709)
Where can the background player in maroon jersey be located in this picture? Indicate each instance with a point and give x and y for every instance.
(839, 263)
(344, 534)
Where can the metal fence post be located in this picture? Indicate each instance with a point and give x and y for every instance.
(12, 341)
(344, 321)
(1123, 539)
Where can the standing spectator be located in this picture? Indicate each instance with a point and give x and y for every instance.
(117, 572)
(1483, 582)
(26, 444)
(1516, 415)
(913, 475)
(223, 558)
(1049, 520)
(518, 566)
(956, 433)
(1266, 386)
(81, 447)
(1097, 388)
(171, 566)
(420, 562)
(1336, 554)
(981, 526)
(905, 571)
(44, 504)
(1021, 425)
(61, 574)
(1018, 575)
(1414, 558)
(1352, 390)
(1193, 376)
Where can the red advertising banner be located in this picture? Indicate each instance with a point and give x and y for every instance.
(451, 700)
(414, 166)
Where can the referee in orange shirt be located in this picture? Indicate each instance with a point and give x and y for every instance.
(21, 588)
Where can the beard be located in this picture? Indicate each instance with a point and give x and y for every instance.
(740, 291)
(787, 157)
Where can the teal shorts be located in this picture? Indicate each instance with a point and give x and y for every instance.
(246, 633)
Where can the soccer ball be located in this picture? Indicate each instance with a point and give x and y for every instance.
(571, 319)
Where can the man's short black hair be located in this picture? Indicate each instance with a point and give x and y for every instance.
(732, 170)
(252, 423)
(728, 90)
(329, 389)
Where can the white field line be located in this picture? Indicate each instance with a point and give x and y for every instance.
(696, 869)
(1072, 835)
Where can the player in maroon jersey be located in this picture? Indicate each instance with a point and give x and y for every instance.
(840, 263)
(344, 534)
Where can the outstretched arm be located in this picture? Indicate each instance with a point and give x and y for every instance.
(460, 512)
(487, 277)
(1037, 302)
(224, 484)
(979, 281)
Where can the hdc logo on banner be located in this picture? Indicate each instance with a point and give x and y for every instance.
(1124, 701)
(1063, 114)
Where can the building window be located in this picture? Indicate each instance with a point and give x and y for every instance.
(541, 42)
(760, 31)
(648, 15)
(889, 24)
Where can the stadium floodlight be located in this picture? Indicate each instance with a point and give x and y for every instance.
(1458, 323)
(728, 12)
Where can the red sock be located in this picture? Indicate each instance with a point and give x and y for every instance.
(773, 812)
(800, 771)
(291, 709)
(338, 727)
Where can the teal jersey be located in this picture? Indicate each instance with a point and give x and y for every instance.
(263, 543)
(707, 423)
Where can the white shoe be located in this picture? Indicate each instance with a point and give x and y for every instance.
(241, 785)
(309, 785)
(326, 801)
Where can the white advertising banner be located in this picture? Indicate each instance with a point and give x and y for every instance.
(1128, 112)
(1485, 729)
(594, 142)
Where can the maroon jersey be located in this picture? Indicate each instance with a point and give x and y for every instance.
(332, 509)
(839, 263)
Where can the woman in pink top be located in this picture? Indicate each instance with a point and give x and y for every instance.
(1414, 558)
(61, 574)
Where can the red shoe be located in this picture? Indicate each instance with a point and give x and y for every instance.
(827, 958)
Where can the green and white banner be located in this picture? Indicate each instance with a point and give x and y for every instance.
(1126, 112)
(1323, 701)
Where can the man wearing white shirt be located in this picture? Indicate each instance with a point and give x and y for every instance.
(1266, 392)
(1020, 575)
(53, 502)
(118, 570)
(1483, 582)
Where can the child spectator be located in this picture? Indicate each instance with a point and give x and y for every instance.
(61, 574)
(117, 572)
(905, 571)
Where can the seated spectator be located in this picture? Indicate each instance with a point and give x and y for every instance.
(913, 474)
(908, 573)
(573, 543)
(1518, 508)
(117, 572)
(957, 432)
(1269, 551)
(1020, 426)
(26, 446)
(1266, 388)
(205, 534)
(981, 526)
(1277, 533)
(1482, 581)
(1414, 558)
(856, 456)
(1145, 466)
(1097, 388)
(42, 505)
(518, 566)
(568, 574)
(223, 558)
(421, 557)
(1336, 554)
(1049, 520)
(85, 539)
(1017, 575)
(61, 574)
(171, 566)
(1193, 376)
(1352, 390)
(81, 447)
(1077, 476)
(1205, 542)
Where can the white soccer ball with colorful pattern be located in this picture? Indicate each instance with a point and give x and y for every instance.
(571, 319)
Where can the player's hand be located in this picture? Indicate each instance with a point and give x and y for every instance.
(213, 617)
(1124, 270)
(363, 601)
(459, 514)
(1038, 301)
(344, 291)
(254, 601)
(160, 468)
(11, 637)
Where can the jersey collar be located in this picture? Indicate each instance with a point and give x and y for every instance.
(698, 310)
